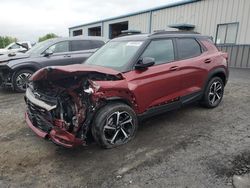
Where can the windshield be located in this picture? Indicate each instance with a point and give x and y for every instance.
(12, 46)
(115, 54)
(39, 47)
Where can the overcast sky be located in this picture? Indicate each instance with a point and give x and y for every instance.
(29, 19)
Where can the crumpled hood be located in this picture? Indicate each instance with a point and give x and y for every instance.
(58, 72)
(15, 56)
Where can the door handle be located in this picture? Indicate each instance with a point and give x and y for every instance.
(174, 68)
(208, 61)
(67, 56)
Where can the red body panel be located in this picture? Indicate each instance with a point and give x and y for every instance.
(153, 86)
(58, 136)
(60, 71)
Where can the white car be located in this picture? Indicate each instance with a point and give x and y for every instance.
(16, 47)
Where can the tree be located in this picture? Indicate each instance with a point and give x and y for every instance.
(6, 40)
(47, 36)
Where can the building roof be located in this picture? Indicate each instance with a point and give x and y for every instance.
(183, 2)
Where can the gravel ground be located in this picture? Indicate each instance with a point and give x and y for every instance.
(190, 147)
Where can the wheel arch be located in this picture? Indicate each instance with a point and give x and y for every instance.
(219, 72)
(121, 100)
(25, 67)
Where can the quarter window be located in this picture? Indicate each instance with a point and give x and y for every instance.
(60, 47)
(188, 48)
(161, 50)
(227, 33)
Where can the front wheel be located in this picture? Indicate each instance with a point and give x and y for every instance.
(115, 124)
(213, 93)
(20, 80)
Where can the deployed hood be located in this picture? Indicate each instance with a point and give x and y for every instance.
(13, 56)
(58, 72)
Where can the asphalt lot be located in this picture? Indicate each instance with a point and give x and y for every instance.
(190, 147)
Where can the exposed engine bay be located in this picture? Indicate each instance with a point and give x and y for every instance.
(66, 105)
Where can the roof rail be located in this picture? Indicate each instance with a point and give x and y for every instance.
(129, 32)
(160, 32)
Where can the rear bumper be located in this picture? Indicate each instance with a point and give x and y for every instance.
(56, 135)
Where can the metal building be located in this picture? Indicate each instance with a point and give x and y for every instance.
(227, 21)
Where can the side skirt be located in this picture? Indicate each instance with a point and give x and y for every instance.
(185, 100)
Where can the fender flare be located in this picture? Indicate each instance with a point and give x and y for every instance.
(212, 73)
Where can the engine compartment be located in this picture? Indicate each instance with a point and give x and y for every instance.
(74, 102)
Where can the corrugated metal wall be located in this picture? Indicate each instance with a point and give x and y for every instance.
(205, 15)
(238, 55)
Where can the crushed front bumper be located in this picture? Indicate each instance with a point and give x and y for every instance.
(57, 136)
(36, 119)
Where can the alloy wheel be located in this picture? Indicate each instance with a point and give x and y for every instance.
(22, 79)
(215, 93)
(118, 128)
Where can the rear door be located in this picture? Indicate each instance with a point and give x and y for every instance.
(191, 62)
(82, 49)
(159, 84)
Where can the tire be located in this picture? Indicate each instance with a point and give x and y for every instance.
(20, 79)
(213, 93)
(105, 130)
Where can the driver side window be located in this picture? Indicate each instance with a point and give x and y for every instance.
(161, 50)
(60, 47)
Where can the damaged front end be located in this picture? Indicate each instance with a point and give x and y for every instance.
(61, 102)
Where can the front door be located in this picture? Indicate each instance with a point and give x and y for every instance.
(160, 83)
(61, 55)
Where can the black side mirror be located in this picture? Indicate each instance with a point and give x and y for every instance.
(144, 63)
(48, 52)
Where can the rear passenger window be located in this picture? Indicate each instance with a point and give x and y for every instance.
(161, 50)
(188, 48)
(97, 44)
(78, 45)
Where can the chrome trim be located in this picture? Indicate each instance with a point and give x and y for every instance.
(30, 96)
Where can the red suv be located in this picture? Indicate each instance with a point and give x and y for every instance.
(128, 79)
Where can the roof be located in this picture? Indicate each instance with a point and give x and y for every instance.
(183, 2)
(160, 35)
(77, 38)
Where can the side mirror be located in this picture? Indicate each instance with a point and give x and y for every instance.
(144, 63)
(48, 52)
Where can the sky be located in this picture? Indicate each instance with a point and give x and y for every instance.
(30, 19)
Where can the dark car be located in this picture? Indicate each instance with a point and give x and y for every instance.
(15, 69)
(128, 79)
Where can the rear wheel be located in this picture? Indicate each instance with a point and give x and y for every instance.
(213, 93)
(114, 125)
(20, 80)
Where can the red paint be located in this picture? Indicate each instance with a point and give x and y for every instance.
(57, 135)
(53, 73)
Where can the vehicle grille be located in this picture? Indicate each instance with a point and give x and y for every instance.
(39, 117)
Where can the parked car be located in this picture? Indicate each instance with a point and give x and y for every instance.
(128, 79)
(15, 47)
(16, 70)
